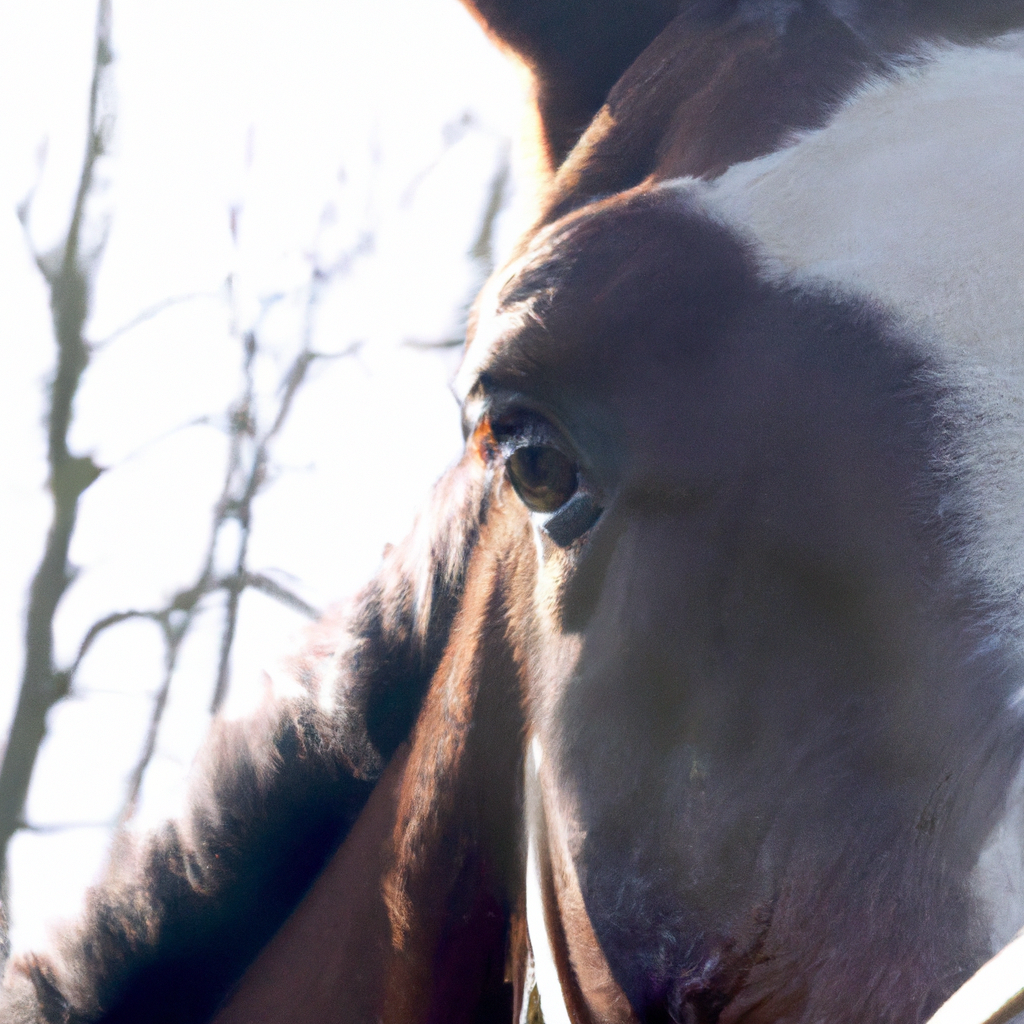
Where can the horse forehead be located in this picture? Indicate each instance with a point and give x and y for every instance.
(602, 270)
(906, 198)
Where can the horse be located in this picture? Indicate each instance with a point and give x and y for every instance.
(697, 692)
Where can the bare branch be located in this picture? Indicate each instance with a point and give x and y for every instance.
(245, 475)
(433, 346)
(69, 826)
(482, 249)
(69, 279)
(451, 135)
(236, 502)
(227, 640)
(101, 626)
(294, 377)
(146, 315)
(281, 594)
(173, 637)
(24, 208)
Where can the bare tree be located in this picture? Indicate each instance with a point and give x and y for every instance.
(252, 426)
(68, 272)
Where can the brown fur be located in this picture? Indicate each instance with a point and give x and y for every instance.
(773, 722)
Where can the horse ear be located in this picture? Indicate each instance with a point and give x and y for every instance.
(409, 921)
(575, 53)
(452, 881)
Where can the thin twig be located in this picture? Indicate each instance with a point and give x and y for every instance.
(70, 826)
(237, 503)
(482, 249)
(173, 636)
(433, 346)
(147, 314)
(271, 588)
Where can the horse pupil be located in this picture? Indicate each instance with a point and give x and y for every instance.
(542, 476)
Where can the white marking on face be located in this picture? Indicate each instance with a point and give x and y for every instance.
(912, 198)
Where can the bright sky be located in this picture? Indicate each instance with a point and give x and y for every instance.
(329, 126)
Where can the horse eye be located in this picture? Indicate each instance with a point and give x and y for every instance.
(542, 476)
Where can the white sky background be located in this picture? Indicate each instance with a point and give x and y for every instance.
(321, 122)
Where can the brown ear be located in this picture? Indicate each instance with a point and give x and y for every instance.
(453, 882)
(576, 51)
(329, 960)
(409, 922)
(711, 92)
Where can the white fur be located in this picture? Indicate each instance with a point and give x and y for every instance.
(913, 197)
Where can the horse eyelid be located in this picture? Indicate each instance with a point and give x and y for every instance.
(572, 520)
